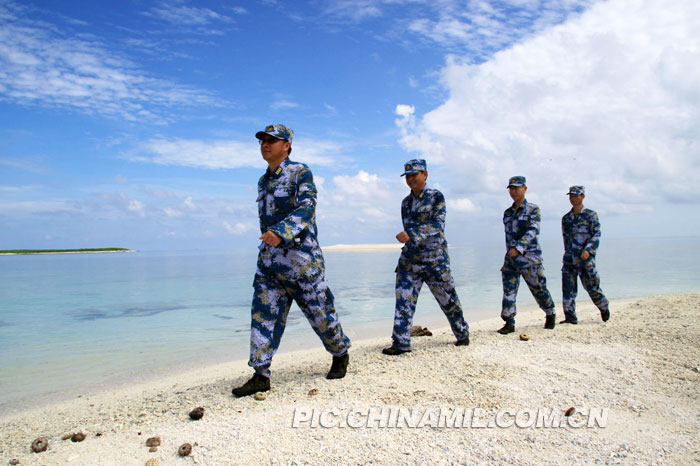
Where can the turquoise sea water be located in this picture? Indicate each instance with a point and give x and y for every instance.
(71, 323)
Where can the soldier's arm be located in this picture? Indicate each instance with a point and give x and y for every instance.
(566, 236)
(531, 231)
(304, 208)
(593, 243)
(435, 225)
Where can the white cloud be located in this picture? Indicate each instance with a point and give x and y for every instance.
(478, 28)
(43, 64)
(188, 204)
(356, 10)
(283, 104)
(172, 213)
(177, 13)
(461, 205)
(137, 207)
(197, 153)
(34, 207)
(185, 207)
(239, 228)
(363, 189)
(228, 154)
(351, 200)
(405, 111)
(318, 152)
(609, 99)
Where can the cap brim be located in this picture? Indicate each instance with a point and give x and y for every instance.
(262, 134)
(411, 172)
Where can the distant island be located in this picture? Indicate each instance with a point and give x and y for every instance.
(61, 251)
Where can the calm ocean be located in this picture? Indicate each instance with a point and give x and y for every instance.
(72, 323)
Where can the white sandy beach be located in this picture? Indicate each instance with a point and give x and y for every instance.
(642, 367)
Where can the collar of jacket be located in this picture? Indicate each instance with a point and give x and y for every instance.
(420, 195)
(277, 170)
(512, 206)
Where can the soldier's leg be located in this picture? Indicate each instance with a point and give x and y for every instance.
(442, 286)
(536, 281)
(408, 285)
(271, 303)
(316, 302)
(511, 283)
(569, 286)
(591, 282)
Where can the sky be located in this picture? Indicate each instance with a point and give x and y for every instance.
(131, 123)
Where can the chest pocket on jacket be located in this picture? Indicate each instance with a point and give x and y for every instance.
(517, 225)
(582, 227)
(423, 213)
(523, 221)
(282, 198)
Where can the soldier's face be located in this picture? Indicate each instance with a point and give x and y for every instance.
(274, 150)
(576, 199)
(416, 181)
(517, 193)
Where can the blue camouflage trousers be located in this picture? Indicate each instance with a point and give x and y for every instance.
(591, 282)
(271, 303)
(408, 285)
(533, 274)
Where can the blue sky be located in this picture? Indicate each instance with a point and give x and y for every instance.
(132, 124)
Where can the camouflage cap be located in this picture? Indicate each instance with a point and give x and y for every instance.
(577, 190)
(516, 181)
(414, 166)
(277, 131)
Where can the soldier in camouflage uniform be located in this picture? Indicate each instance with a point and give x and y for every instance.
(423, 259)
(523, 257)
(290, 263)
(581, 230)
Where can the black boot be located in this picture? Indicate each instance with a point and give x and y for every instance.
(258, 383)
(605, 315)
(463, 342)
(339, 367)
(394, 351)
(506, 329)
(551, 321)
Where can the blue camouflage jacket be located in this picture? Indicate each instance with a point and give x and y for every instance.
(287, 206)
(423, 218)
(522, 227)
(581, 232)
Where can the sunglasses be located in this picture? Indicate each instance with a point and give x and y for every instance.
(269, 140)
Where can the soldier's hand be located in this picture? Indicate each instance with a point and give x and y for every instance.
(271, 238)
(403, 237)
(585, 255)
(512, 252)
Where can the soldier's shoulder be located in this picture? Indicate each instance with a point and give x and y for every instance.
(297, 170)
(293, 166)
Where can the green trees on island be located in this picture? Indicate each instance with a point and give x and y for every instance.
(58, 251)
